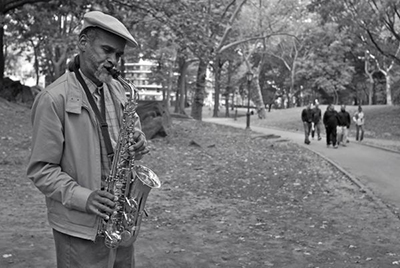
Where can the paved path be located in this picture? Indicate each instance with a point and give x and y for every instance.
(376, 169)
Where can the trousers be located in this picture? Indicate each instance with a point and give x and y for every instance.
(359, 130)
(307, 130)
(74, 252)
(317, 127)
(331, 133)
(342, 134)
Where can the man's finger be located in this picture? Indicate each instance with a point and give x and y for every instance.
(145, 151)
(138, 144)
(106, 202)
(102, 215)
(104, 209)
(105, 194)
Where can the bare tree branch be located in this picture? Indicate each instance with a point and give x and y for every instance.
(8, 5)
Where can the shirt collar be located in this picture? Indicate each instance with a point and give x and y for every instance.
(91, 85)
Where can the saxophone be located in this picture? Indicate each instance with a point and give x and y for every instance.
(129, 182)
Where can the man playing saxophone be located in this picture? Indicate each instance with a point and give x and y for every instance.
(76, 122)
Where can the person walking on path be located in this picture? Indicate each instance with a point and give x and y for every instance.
(344, 125)
(359, 119)
(306, 117)
(331, 121)
(316, 119)
(71, 151)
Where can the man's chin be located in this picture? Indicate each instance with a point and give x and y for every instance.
(103, 77)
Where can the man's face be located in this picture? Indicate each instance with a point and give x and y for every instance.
(103, 49)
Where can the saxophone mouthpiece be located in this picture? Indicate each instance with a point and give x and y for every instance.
(114, 72)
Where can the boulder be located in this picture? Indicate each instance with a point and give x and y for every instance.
(155, 118)
(14, 91)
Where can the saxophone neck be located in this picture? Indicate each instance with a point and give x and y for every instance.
(129, 87)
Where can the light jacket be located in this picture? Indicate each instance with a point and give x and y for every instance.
(358, 118)
(65, 161)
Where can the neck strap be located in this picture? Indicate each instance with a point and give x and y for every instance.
(101, 118)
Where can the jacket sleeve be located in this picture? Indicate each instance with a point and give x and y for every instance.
(47, 148)
(303, 115)
(324, 118)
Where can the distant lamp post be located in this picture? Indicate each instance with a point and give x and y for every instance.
(249, 76)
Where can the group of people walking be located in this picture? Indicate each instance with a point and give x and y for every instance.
(337, 124)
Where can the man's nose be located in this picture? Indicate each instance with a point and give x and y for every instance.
(112, 59)
(110, 63)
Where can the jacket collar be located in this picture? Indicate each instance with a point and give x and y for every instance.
(76, 97)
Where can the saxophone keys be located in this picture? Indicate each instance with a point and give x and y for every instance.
(119, 185)
(126, 235)
(129, 219)
(112, 239)
(131, 203)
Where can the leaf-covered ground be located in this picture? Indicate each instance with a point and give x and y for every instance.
(229, 198)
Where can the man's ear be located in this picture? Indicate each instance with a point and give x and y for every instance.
(83, 41)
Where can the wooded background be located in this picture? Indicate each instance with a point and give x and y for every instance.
(341, 52)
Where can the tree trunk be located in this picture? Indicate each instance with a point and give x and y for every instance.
(176, 104)
(167, 95)
(36, 65)
(182, 87)
(229, 91)
(388, 90)
(227, 105)
(370, 90)
(289, 99)
(181, 65)
(217, 89)
(198, 100)
(2, 50)
(370, 77)
(59, 61)
(256, 97)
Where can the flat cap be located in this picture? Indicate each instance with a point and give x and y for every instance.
(109, 24)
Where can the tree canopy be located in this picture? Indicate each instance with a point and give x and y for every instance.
(344, 51)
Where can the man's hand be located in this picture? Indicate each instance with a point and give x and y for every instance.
(101, 203)
(139, 147)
